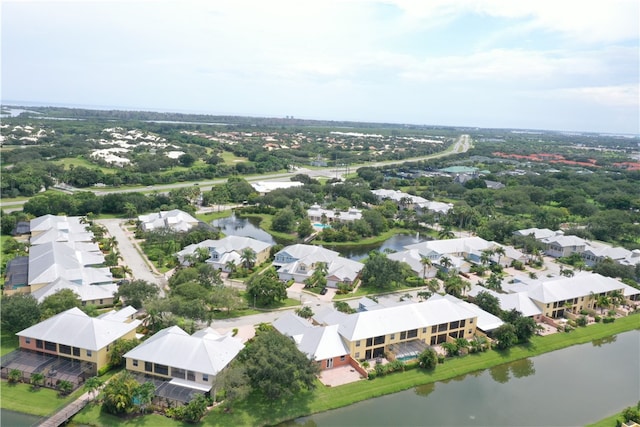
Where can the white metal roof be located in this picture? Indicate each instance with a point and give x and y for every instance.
(565, 288)
(205, 351)
(390, 320)
(317, 342)
(486, 321)
(75, 328)
(85, 292)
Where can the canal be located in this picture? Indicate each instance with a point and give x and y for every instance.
(569, 387)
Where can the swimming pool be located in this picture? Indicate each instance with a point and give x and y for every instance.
(318, 225)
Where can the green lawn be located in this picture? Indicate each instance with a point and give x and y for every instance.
(22, 398)
(79, 161)
(91, 415)
(255, 411)
(213, 215)
(9, 343)
(231, 159)
(607, 422)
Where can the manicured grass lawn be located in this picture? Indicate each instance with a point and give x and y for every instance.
(92, 415)
(44, 401)
(213, 215)
(79, 161)
(8, 344)
(231, 159)
(607, 422)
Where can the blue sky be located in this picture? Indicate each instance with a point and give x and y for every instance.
(561, 64)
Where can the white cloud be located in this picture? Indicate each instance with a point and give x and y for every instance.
(618, 96)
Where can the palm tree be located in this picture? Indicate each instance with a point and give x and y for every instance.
(248, 257)
(500, 252)
(65, 387)
(462, 344)
(451, 348)
(494, 282)
(37, 379)
(15, 375)
(446, 262)
(485, 257)
(426, 262)
(92, 385)
(603, 301)
(231, 266)
(446, 233)
(126, 270)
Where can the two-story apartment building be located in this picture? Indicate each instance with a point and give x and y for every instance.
(191, 361)
(74, 335)
(319, 215)
(403, 328)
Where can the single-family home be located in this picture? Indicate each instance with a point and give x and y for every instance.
(409, 201)
(298, 262)
(537, 233)
(226, 250)
(464, 251)
(321, 344)
(563, 246)
(61, 228)
(595, 254)
(317, 214)
(189, 361)
(175, 220)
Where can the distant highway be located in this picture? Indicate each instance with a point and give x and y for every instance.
(462, 144)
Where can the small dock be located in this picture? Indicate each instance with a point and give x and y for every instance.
(64, 415)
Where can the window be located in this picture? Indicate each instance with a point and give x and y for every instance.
(205, 377)
(88, 353)
(51, 346)
(462, 323)
(454, 325)
(412, 333)
(108, 349)
(161, 369)
(148, 366)
(357, 343)
(434, 329)
(27, 340)
(358, 355)
(369, 342)
(442, 327)
(403, 335)
(134, 362)
(393, 336)
(191, 376)
(342, 358)
(424, 330)
(378, 340)
(64, 349)
(470, 321)
(101, 302)
(76, 351)
(470, 331)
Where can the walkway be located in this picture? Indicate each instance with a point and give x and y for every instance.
(140, 268)
(64, 414)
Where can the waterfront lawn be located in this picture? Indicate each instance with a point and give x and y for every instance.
(608, 422)
(42, 402)
(92, 415)
(258, 411)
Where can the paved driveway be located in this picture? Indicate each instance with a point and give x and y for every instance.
(130, 255)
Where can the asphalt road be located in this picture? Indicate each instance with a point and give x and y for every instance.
(130, 255)
(462, 144)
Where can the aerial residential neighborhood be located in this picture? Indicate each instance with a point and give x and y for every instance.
(212, 298)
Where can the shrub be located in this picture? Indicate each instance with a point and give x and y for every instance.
(411, 365)
(518, 265)
(609, 320)
(440, 358)
(235, 332)
(372, 375)
(597, 319)
(104, 370)
(582, 321)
